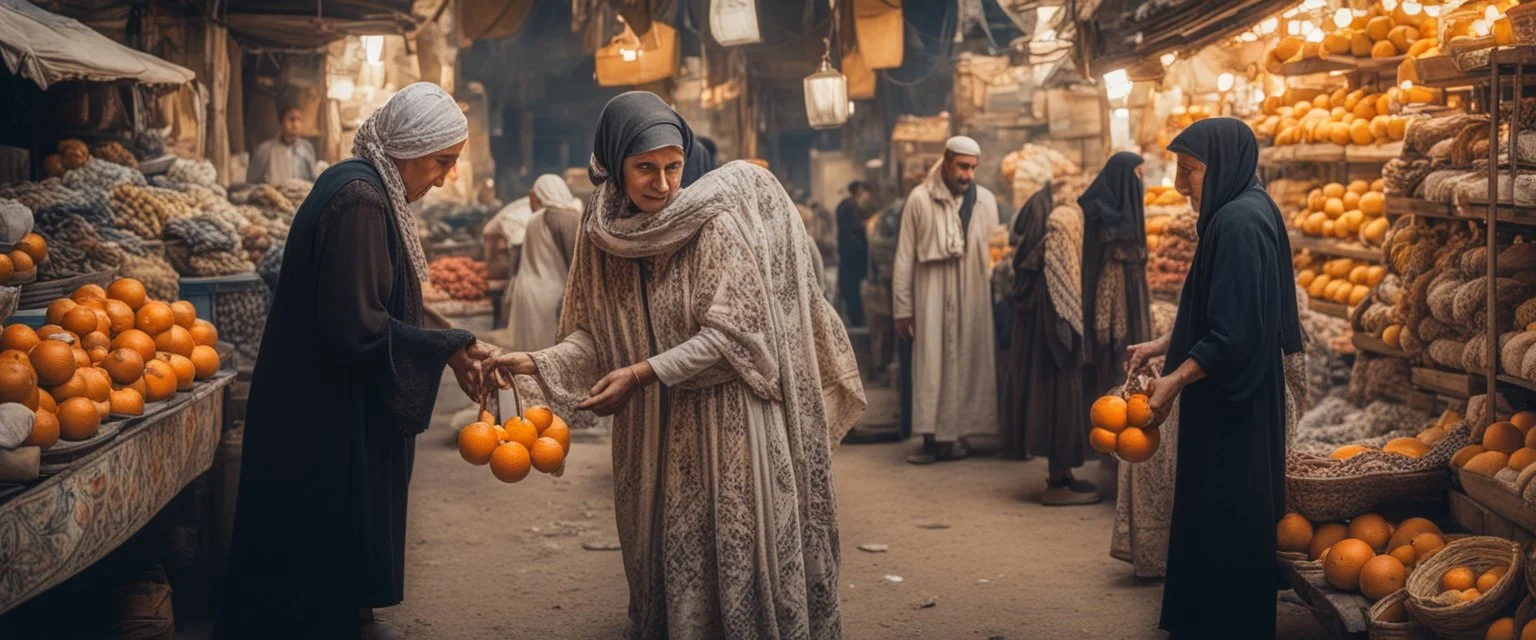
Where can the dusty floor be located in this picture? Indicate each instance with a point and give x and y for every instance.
(490, 560)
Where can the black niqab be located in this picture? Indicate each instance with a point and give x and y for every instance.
(1237, 316)
(633, 123)
(1113, 203)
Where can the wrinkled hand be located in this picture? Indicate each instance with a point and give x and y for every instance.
(468, 367)
(905, 328)
(1137, 355)
(1163, 393)
(611, 393)
(503, 366)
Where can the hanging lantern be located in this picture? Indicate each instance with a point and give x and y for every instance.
(734, 22)
(826, 95)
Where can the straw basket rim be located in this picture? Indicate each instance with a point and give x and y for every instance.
(1378, 630)
(1464, 620)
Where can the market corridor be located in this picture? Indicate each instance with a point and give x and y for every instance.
(975, 553)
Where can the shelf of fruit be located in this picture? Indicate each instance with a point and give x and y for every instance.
(1321, 125)
(1334, 247)
(1374, 345)
(1404, 205)
(1498, 470)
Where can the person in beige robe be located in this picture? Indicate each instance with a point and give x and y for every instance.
(548, 245)
(942, 302)
(695, 318)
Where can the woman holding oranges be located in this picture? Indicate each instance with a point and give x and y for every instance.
(695, 317)
(345, 380)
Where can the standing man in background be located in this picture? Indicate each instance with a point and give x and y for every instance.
(942, 302)
(853, 248)
(286, 157)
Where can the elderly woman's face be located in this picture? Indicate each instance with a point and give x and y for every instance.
(431, 170)
(1190, 181)
(652, 179)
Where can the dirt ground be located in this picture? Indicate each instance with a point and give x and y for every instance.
(489, 560)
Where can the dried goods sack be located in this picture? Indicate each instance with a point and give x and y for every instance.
(1423, 133)
(1376, 319)
(101, 176)
(1430, 329)
(1525, 314)
(1474, 263)
(15, 425)
(1517, 257)
(1436, 185)
(1474, 356)
(1522, 190)
(1442, 298)
(1512, 355)
(1447, 353)
(15, 221)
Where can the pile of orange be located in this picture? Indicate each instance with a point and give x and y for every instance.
(538, 439)
(103, 352)
(29, 252)
(1123, 427)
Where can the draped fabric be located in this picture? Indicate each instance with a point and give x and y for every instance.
(419, 120)
(345, 369)
(1237, 319)
(1115, 295)
(722, 476)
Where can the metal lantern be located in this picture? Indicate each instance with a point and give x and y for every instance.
(734, 22)
(826, 97)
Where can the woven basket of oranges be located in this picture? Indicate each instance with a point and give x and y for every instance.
(1123, 422)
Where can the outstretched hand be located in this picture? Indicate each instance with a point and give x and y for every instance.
(502, 367)
(611, 393)
(468, 367)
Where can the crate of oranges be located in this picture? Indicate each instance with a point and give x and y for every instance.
(535, 439)
(105, 352)
(1123, 423)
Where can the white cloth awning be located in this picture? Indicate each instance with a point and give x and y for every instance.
(49, 48)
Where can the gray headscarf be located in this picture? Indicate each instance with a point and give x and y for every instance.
(419, 120)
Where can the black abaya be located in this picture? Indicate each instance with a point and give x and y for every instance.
(345, 380)
(1114, 224)
(1237, 317)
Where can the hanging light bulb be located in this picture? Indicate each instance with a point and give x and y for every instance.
(1293, 28)
(374, 46)
(1389, 5)
(1117, 84)
(1248, 36)
(1224, 82)
(1315, 36)
(1269, 26)
(1168, 59)
(826, 94)
(1412, 7)
(1307, 28)
(1343, 17)
(1292, 13)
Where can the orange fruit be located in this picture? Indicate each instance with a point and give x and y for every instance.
(160, 380)
(45, 402)
(127, 402)
(45, 430)
(138, 341)
(12, 355)
(78, 419)
(548, 456)
(1381, 576)
(139, 386)
(120, 316)
(98, 354)
(1138, 411)
(1407, 529)
(80, 320)
(74, 387)
(1345, 561)
(82, 359)
(1503, 437)
(1109, 413)
(1347, 451)
(7, 269)
(1405, 555)
(476, 443)
(1490, 579)
(205, 361)
(521, 432)
(95, 339)
(53, 361)
(540, 417)
(34, 401)
(1102, 440)
(204, 333)
(175, 340)
(186, 372)
(1372, 529)
(34, 246)
(103, 321)
(1325, 537)
(1426, 545)
(1501, 629)
(183, 314)
(19, 337)
(559, 433)
(98, 385)
(154, 318)
(88, 291)
(17, 382)
(510, 462)
(1136, 444)
(1293, 533)
(124, 365)
(129, 291)
(91, 301)
(1458, 578)
(21, 262)
(50, 331)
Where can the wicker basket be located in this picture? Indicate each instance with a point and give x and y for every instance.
(1333, 499)
(1464, 621)
(1379, 630)
(1530, 580)
(1522, 22)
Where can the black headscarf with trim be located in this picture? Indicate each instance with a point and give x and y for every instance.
(632, 123)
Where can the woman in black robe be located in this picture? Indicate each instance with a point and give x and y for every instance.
(1236, 320)
(345, 380)
(1044, 411)
(1114, 270)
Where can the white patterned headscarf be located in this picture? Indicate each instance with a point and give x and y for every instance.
(419, 120)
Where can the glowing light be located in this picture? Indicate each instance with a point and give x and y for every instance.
(1169, 59)
(1167, 181)
(1293, 28)
(1313, 5)
(1389, 4)
(1117, 84)
(1480, 28)
(1307, 28)
(1292, 13)
(1412, 8)
(1407, 84)
(1258, 95)
(1269, 26)
(1315, 36)
(1248, 36)
(374, 46)
(1432, 11)
(1491, 14)
(1224, 82)
(850, 107)
(629, 55)
(1343, 17)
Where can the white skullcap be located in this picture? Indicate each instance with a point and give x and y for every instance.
(963, 145)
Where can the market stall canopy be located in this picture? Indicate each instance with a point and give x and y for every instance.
(298, 25)
(48, 48)
(1124, 32)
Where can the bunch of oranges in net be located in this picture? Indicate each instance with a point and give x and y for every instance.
(538, 439)
(1124, 424)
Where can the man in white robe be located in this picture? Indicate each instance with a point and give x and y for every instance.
(942, 301)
